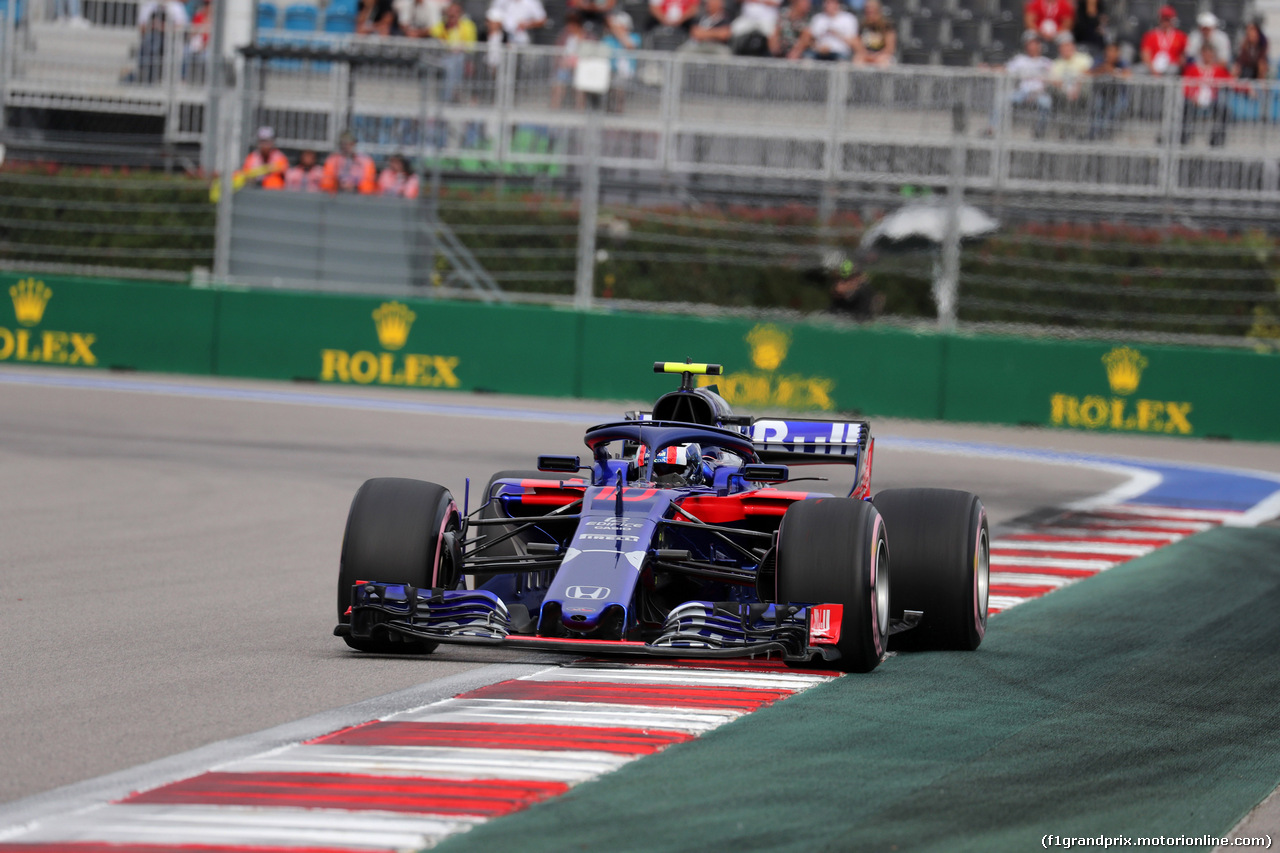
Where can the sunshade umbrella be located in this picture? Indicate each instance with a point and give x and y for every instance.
(923, 225)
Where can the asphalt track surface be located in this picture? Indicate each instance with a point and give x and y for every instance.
(168, 559)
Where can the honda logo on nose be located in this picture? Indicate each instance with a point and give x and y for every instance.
(595, 593)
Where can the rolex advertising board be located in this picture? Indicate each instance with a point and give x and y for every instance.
(398, 343)
(1132, 388)
(91, 323)
(768, 366)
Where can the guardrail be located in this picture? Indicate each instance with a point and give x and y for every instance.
(557, 352)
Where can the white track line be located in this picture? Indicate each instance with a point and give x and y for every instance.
(1119, 550)
(250, 826)
(573, 714)
(1052, 561)
(436, 761)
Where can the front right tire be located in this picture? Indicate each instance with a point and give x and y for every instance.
(398, 531)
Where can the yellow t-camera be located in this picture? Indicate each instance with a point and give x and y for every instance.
(681, 367)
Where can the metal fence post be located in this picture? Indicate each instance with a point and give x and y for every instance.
(588, 205)
(8, 35)
(1171, 131)
(947, 285)
(228, 134)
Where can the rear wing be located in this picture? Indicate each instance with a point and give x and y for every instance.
(800, 441)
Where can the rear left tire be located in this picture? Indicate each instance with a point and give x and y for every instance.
(941, 565)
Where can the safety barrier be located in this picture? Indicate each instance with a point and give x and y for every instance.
(525, 349)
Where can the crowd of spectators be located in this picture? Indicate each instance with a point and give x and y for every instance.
(1084, 85)
(863, 34)
(859, 31)
(347, 170)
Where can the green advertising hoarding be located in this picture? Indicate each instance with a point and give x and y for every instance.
(95, 323)
(768, 366)
(1114, 387)
(813, 367)
(398, 343)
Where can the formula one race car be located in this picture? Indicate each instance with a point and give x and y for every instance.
(675, 541)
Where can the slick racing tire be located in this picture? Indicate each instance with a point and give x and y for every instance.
(398, 531)
(835, 551)
(513, 547)
(941, 565)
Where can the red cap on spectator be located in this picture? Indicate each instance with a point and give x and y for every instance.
(1167, 13)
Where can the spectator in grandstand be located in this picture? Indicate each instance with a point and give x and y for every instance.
(831, 34)
(458, 32)
(877, 40)
(265, 166)
(1164, 47)
(620, 38)
(1109, 95)
(1030, 69)
(791, 25)
(1068, 81)
(1049, 17)
(396, 180)
(712, 32)
(1090, 27)
(307, 176)
(154, 17)
(174, 13)
(753, 28)
(418, 18)
(1207, 32)
(569, 40)
(68, 12)
(511, 21)
(195, 51)
(1251, 58)
(674, 13)
(348, 170)
(594, 15)
(378, 17)
(1204, 96)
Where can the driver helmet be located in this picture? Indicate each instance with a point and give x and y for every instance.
(671, 460)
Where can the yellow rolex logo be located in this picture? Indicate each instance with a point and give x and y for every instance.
(769, 345)
(29, 298)
(393, 322)
(765, 386)
(1124, 369)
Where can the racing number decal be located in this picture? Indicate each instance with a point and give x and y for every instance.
(608, 493)
(824, 624)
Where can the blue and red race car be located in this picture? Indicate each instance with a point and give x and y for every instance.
(679, 538)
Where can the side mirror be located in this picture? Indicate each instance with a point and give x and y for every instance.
(765, 473)
(561, 464)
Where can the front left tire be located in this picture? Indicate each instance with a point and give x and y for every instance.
(835, 551)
